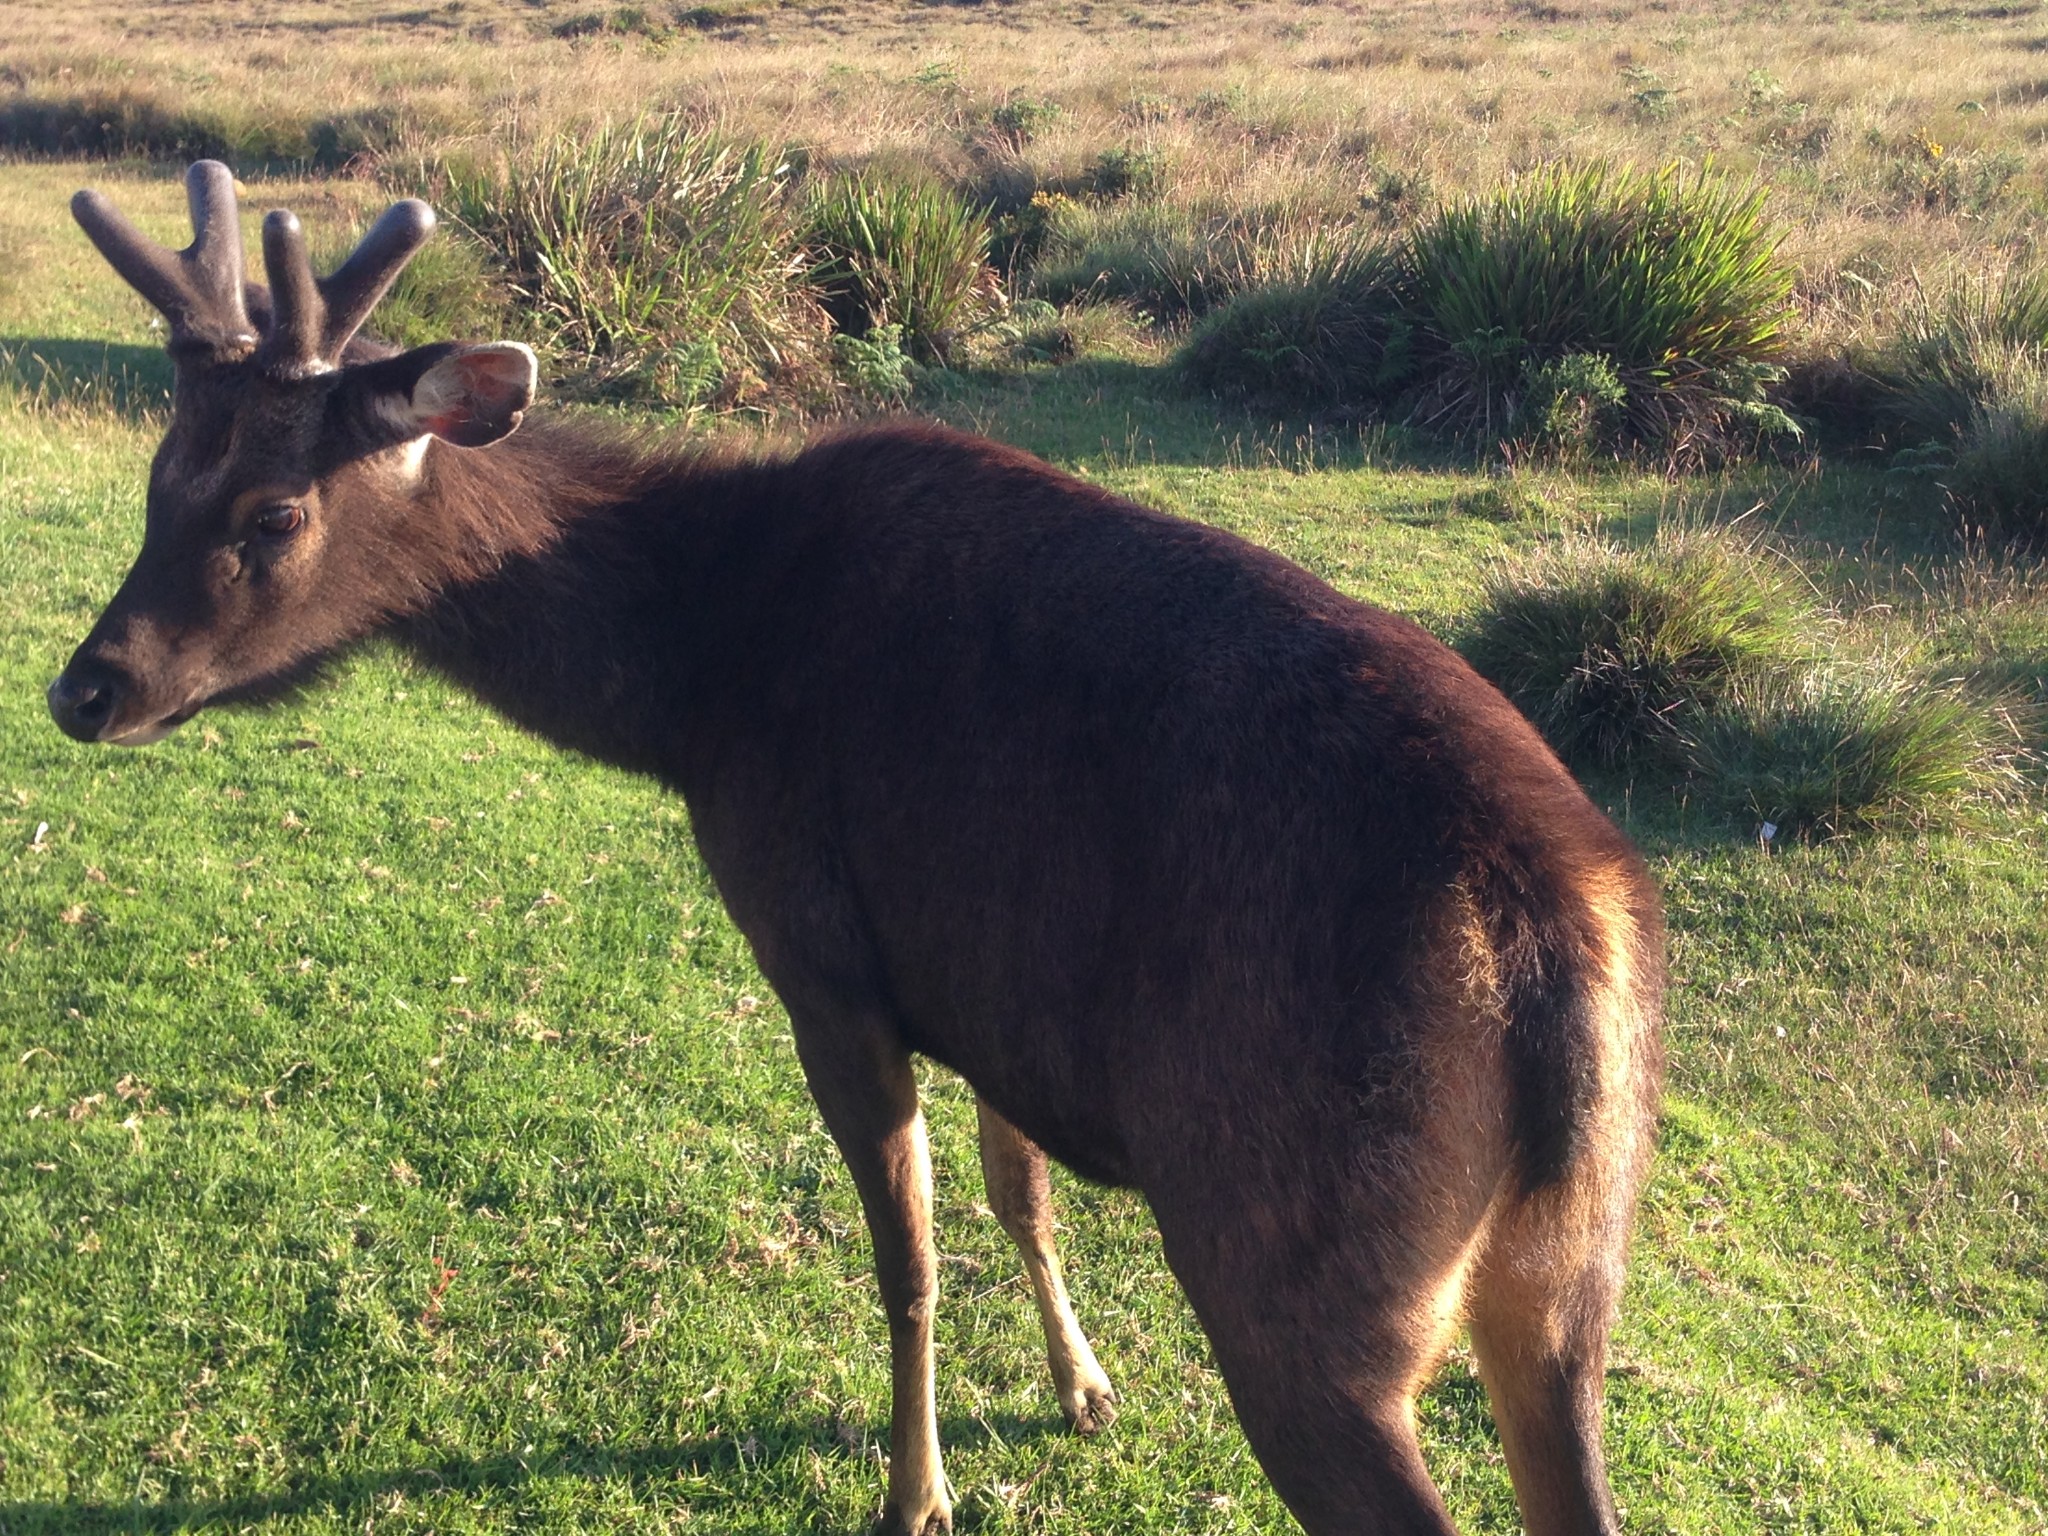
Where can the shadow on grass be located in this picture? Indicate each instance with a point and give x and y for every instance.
(1129, 412)
(124, 378)
(348, 1493)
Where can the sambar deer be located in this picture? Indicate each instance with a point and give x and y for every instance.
(1212, 883)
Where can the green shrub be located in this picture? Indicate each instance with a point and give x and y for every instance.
(1126, 173)
(891, 253)
(1674, 279)
(1020, 118)
(875, 363)
(1329, 335)
(1570, 404)
(659, 259)
(1605, 648)
(1836, 750)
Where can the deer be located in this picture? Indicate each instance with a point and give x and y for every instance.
(1211, 882)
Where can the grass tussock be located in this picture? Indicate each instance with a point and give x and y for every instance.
(1608, 649)
(1962, 393)
(1573, 309)
(1837, 750)
(1673, 279)
(1951, 352)
(659, 260)
(909, 256)
(1330, 331)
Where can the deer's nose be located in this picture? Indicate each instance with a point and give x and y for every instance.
(82, 701)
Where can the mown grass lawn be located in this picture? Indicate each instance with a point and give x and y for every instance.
(395, 1134)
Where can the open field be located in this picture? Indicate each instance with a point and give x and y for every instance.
(395, 1134)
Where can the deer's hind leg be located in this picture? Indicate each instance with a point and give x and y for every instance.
(1326, 1321)
(1013, 1168)
(1542, 1303)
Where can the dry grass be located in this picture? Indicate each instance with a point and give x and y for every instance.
(1892, 136)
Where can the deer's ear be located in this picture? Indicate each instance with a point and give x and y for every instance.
(464, 394)
(475, 395)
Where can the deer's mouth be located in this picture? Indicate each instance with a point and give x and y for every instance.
(150, 733)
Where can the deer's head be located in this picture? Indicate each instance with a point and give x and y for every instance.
(282, 511)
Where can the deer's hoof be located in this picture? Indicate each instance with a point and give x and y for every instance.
(1092, 1410)
(931, 1522)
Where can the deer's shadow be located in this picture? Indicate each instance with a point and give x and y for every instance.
(127, 378)
(345, 1494)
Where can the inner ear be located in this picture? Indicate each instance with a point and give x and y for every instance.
(468, 395)
(476, 395)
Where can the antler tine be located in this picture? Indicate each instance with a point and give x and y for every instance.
(215, 255)
(358, 283)
(198, 289)
(297, 314)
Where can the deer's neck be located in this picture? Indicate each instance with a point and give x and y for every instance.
(587, 578)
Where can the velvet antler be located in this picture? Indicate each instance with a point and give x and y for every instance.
(200, 291)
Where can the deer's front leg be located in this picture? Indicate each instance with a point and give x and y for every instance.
(867, 1092)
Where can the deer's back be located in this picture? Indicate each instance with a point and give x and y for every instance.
(1108, 808)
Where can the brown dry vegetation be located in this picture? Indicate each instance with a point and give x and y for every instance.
(1892, 135)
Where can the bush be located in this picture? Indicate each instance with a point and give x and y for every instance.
(1570, 404)
(876, 364)
(1019, 119)
(660, 260)
(1832, 751)
(1606, 648)
(1126, 173)
(1959, 352)
(888, 254)
(1998, 486)
(1675, 281)
(1331, 334)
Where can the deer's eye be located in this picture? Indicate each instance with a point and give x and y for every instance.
(280, 520)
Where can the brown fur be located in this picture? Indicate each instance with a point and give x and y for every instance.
(1211, 881)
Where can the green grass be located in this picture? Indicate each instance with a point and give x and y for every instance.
(250, 1118)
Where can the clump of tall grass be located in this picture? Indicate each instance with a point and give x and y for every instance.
(1606, 648)
(1963, 387)
(1331, 330)
(1833, 750)
(1673, 279)
(1998, 485)
(660, 260)
(899, 254)
(1953, 352)
(1571, 310)
(1173, 260)
(451, 289)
